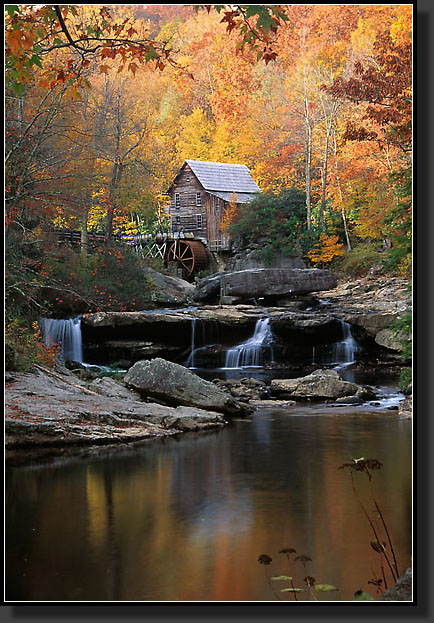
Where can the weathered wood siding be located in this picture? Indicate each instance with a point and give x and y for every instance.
(215, 209)
(187, 215)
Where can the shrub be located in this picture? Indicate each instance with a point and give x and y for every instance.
(326, 250)
(110, 279)
(277, 220)
(359, 260)
(25, 346)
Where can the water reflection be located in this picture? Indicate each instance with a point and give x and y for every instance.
(186, 519)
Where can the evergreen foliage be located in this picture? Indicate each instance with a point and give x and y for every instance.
(277, 220)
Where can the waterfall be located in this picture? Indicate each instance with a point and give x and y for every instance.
(343, 352)
(339, 354)
(190, 361)
(66, 333)
(250, 354)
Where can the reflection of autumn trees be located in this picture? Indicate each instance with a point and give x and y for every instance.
(186, 520)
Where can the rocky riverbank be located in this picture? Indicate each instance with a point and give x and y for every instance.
(55, 409)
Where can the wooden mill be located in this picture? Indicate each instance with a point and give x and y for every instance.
(199, 196)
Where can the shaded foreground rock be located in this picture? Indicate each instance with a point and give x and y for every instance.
(268, 283)
(173, 384)
(245, 390)
(403, 589)
(320, 385)
(41, 409)
(405, 409)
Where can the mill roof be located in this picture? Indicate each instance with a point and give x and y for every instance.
(223, 179)
(220, 176)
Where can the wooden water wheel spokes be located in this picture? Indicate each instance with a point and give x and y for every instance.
(189, 254)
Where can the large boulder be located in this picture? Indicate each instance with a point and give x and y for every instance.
(373, 323)
(248, 258)
(169, 290)
(315, 328)
(173, 384)
(405, 408)
(392, 340)
(320, 385)
(267, 283)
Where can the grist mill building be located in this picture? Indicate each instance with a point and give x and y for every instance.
(199, 195)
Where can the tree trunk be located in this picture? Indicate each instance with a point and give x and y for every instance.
(324, 178)
(114, 185)
(308, 167)
(84, 239)
(344, 217)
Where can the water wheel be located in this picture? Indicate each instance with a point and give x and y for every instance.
(190, 255)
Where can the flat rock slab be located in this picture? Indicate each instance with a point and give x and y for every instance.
(41, 409)
(264, 282)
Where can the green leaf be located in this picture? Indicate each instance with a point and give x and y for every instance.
(265, 21)
(281, 577)
(18, 88)
(362, 596)
(252, 10)
(292, 590)
(325, 587)
(12, 9)
(151, 55)
(36, 60)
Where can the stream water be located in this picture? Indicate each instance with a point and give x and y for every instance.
(185, 518)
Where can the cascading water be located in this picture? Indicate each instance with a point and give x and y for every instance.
(190, 361)
(251, 354)
(343, 352)
(66, 333)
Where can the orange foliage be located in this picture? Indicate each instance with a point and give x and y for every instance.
(326, 250)
(229, 214)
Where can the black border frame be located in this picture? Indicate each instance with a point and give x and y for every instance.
(422, 606)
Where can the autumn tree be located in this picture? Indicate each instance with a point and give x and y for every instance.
(36, 33)
(381, 85)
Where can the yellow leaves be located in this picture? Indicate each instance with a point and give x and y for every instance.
(401, 29)
(326, 249)
(229, 213)
(122, 224)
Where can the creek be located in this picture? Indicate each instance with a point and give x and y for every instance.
(185, 518)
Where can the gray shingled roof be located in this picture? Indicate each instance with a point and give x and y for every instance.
(240, 197)
(227, 178)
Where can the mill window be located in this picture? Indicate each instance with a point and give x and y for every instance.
(199, 221)
(177, 201)
(198, 199)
